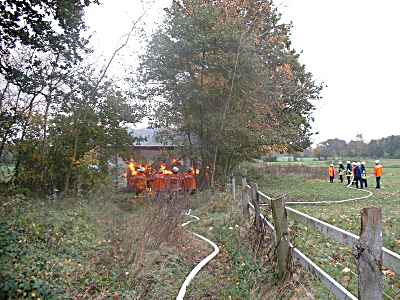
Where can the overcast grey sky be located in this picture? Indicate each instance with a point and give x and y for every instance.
(352, 46)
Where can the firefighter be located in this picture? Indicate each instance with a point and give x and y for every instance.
(140, 181)
(175, 181)
(357, 175)
(349, 171)
(378, 174)
(159, 183)
(331, 173)
(364, 174)
(149, 175)
(341, 171)
(189, 182)
(353, 171)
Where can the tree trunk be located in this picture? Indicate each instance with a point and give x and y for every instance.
(3, 93)
(8, 130)
(69, 172)
(25, 126)
(44, 141)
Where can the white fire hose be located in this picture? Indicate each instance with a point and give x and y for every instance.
(326, 202)
(200, 265)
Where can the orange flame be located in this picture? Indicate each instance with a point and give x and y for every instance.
(132, 168)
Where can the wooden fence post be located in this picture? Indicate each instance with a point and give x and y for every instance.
(368, 253)
(255, 201)
(282, 238)
(244, 199)
(233, 183)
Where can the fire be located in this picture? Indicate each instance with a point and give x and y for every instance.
(132, 168)
(164, 169)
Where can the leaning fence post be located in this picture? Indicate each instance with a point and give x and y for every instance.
(244, 199)
(282, 239)
(233, 182)
(255, 201)
(368, 253)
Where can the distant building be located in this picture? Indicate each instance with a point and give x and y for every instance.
(285, 158)
(152, 143)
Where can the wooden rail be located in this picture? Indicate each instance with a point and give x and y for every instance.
(331, 284)
(391, 259)
(386, 257)
(335, 287)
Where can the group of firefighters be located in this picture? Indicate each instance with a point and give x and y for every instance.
(141, 179)
(356, 173)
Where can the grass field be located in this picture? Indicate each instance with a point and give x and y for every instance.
(111, 245)
(334, 258)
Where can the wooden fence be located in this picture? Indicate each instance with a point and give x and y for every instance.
(367, 248)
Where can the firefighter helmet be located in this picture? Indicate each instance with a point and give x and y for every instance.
(175, 169)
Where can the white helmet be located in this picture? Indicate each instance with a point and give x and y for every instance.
(331, 165)
(363, 163)
(141, 170)
(358, 163)
(175, 169)
(377, 161)
(348, 162)
(340, 162)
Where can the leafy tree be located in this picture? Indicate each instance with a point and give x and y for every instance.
(387, 147)
(224, 76)
(61, 118)
(334, 147)
(43, 25)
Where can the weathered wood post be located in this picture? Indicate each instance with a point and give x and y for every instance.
(244, 199)
(282, 238)
(255, 201)
(233, 182)
(368, 253)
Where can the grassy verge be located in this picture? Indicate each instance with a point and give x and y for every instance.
(337, 260)
(95, 248)
(114, 246)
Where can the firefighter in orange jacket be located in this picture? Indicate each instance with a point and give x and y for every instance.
(175, 181)
(378, 173)
(140, 181)
(189, 182)
(331, 173)
(159, 183)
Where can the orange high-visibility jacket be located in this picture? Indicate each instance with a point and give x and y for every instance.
(175, 182)
(378, 170)
(140, 183)
(331, 171)
(189, 182)
(159, 183)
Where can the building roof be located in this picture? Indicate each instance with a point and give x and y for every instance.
(152, 137)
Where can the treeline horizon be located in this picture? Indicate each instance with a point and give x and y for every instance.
(386, 147)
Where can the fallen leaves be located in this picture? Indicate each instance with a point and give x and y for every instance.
(389, 273)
